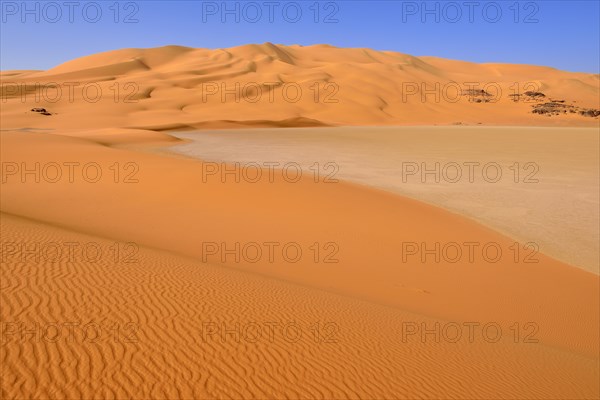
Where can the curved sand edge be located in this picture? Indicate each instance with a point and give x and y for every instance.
(368, 227)
(162, 325)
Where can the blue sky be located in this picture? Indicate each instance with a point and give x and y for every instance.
(561, 34)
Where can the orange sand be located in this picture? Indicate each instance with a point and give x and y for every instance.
(362, 304)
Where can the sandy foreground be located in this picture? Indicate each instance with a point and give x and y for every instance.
(132, 271)
(359, 284)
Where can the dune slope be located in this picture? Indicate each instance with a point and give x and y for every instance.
(161, 326)
(274, 85)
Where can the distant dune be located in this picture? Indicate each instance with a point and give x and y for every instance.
(176, 87)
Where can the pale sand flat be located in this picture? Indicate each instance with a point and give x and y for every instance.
(551, 196)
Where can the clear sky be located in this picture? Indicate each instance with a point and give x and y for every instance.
(561, 34)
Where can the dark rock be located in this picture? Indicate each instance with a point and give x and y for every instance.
(557, 107)
(475, 93)
(534, 94)
(542, 111)
(41, 111)
(590, 113)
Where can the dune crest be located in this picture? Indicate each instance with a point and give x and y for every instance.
(144, 88)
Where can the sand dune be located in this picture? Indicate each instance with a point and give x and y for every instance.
(175, 248)
(152, 317)
(259, 84)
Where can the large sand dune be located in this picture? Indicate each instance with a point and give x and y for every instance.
(274, 85)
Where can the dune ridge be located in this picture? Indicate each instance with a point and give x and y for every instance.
(262, 84)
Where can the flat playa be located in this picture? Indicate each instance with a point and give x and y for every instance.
(537, 185)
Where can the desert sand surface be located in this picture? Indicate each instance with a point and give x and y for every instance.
(272, 85)
(130, 270)
(171, 209)
(538, 185)
(159, 306)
